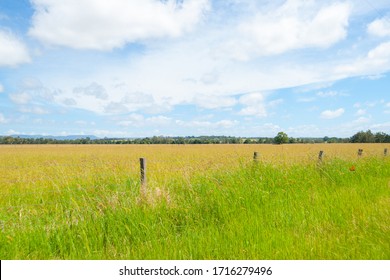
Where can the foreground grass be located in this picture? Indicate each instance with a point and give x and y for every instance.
(254, 211)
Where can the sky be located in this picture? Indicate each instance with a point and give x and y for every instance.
(249, 68)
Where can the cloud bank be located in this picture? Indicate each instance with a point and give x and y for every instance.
(105, 25)
(12, 50)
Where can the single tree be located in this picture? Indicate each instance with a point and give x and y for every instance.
(281, 138)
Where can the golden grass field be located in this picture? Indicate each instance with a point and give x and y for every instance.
(27, 166)
(32, 162)
(57, 166)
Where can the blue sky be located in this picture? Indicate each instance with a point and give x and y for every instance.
(124, 68)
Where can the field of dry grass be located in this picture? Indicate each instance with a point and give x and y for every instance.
(27, 165)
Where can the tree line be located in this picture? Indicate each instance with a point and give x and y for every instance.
(280, 138)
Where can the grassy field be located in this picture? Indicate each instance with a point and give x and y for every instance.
(200, 202)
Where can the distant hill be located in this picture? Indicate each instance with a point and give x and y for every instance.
(67, 137)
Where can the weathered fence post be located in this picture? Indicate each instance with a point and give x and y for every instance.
(320, 156)
(142, 162)
(385, 152)
(360, 152)
(255, 156)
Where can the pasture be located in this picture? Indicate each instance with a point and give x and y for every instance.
(200, 202)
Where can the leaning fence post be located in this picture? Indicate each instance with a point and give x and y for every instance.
(320, 156)
(385, 152)
(142, 162)
(255, 156)
(360, 152)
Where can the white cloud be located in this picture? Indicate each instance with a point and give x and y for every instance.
(294, 25)
(110, 98)
(327, 93)
(329, 114)
(104, 25)
(375, 77)
(12, 50)
(81, 123)
(13, 132)
(305, 131)
(380, 27)
(387, 106)
(252, 129)
(314, 87)
(20, 98)
(133, 120)
(93, 89)
(254, 105)
(159, 120)
(376, 61)
(276, 102)
(68, 102)
(214, 102)
(362, 120)
(198, 69)
(381, 126)
(1, 88)
(226, 123)
(271, 126)
(361, 112)
(322, 94)
(306, 99)
(37, 110)
(31, 83)
(207, 124)
(370, 8)
(381, 53)
(138, 120)
(3, 120)
(172, 74)
(111, 133)
(116, 108)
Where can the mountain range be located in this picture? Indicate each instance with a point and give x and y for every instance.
(66, 137)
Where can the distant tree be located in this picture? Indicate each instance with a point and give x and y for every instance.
(334, 140)
(363, 137)
(380, 137)
(292, 140)
(281, 138)
(179, 140)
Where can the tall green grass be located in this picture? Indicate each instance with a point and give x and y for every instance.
(256, 211)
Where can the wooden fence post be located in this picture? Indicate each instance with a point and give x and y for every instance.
(320, 155)
(255, 156)
(360, 152)
(142, 162)
(385, 152)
